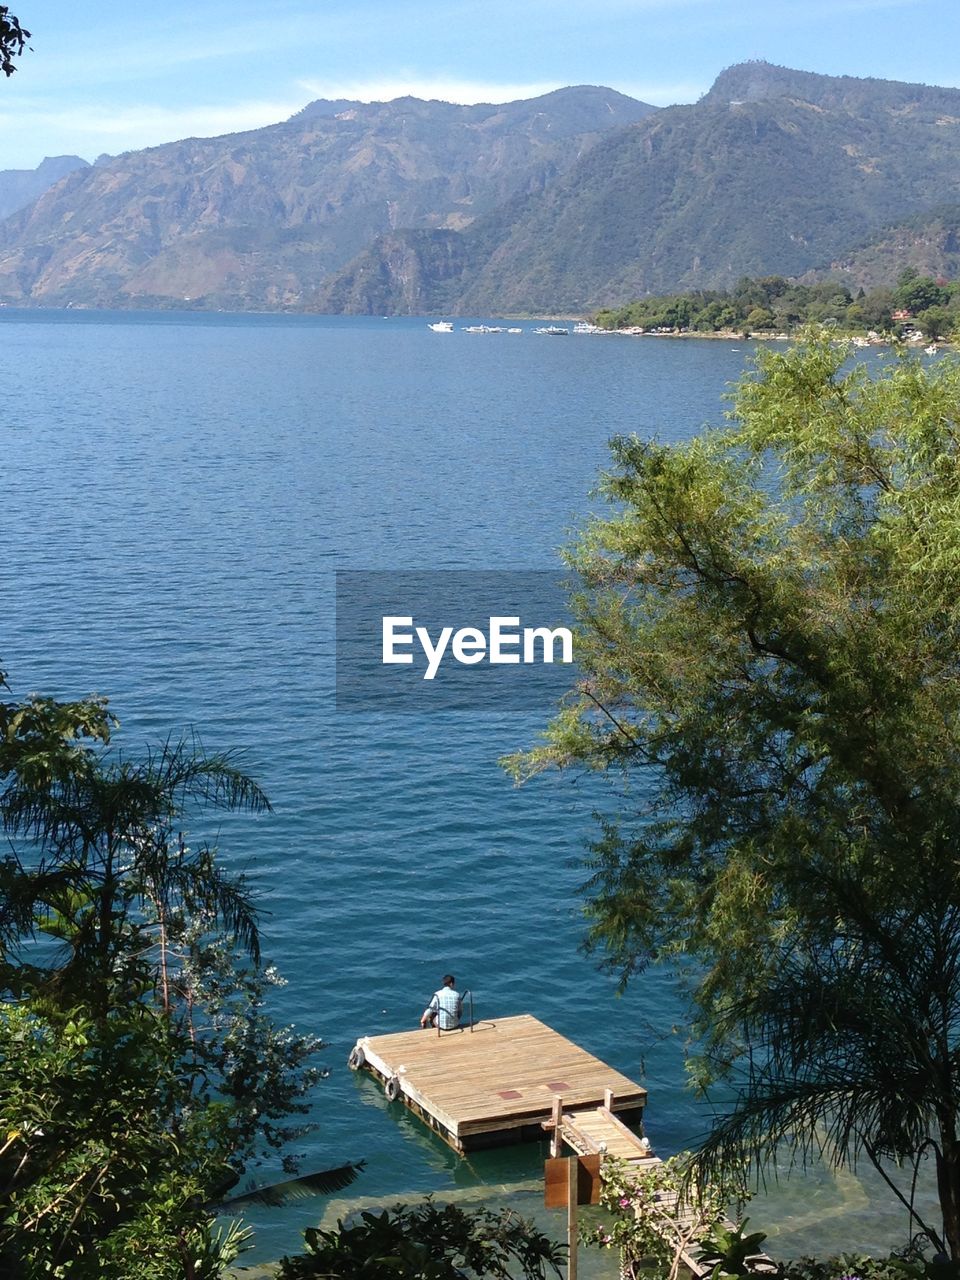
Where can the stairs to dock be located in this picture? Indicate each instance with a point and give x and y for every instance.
(597, 1131)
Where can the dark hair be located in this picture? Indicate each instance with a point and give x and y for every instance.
(448, 980)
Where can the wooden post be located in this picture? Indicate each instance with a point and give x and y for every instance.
(608, 1099)
(557, 1120)
(572, 1174)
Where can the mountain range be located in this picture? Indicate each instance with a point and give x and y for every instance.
(261, 219)
(559, 204)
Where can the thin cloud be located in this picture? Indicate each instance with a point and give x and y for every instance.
(106, 128)
(666, 95)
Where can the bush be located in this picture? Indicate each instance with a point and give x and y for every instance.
(426, 1241)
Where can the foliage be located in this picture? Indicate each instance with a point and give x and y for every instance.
(105, 1163)
(645, 1228)
(937, 321)
(728, 1249)
(908, 1265)
(130, 966)
(42, 739)
(427, 1241)
(243, 1063)
(13, 38)
(774, 303)
(769, 643)
(917, 293)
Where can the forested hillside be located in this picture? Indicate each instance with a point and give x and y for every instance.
(773, 171)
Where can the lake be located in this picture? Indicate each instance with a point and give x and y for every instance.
(176, 494)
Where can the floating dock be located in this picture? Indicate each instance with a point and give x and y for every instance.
(516, 1079)
(496, 1082)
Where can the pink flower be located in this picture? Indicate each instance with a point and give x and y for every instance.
(625, 1202)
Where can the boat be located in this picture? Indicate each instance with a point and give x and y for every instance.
(553, 331)
(482, 328)
(584, 326)
(514, 331)
(932, 349)
(442, 326)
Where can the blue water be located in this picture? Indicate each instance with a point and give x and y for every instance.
(176, 492)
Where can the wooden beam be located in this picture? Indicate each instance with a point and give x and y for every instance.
(556, 1120)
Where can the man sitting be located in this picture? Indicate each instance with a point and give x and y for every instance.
(445, 1008)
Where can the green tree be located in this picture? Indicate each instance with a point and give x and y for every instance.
(759, 318)
(105, 1164)
(920, 292)
(936, 321)
(42, 739)
(102, 859)
(878, 307)
(156, 984)
(769, 640)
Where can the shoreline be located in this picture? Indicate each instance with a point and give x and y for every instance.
(729, 335)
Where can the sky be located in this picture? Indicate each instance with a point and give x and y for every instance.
(117, 75)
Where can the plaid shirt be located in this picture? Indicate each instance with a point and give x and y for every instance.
(447, 1004)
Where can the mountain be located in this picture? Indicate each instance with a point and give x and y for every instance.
(260, 219)
(772, 171)
(20, 187)
(578, 199)
(930, 242)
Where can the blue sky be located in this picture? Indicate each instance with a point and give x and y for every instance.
(122, 74)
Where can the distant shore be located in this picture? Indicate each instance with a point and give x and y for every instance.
(731, 335)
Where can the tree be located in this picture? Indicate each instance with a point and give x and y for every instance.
(13, 38)
(108, 856)
(760, 318)
(42, 739)
(105, 1165)
(936, 321)
(878, 307)
(917, 293)
(152, 1073)
(770, 641)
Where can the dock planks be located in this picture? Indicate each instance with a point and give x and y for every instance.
(597, 1129)
(480, 1087)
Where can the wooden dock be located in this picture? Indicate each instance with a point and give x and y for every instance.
(511, 1081)
(495, 1083)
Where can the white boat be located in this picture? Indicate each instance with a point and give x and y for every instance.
(553, 331)
(482, 328)
(584, 326)
(932, 349)
(442, 326)
(514, 331)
